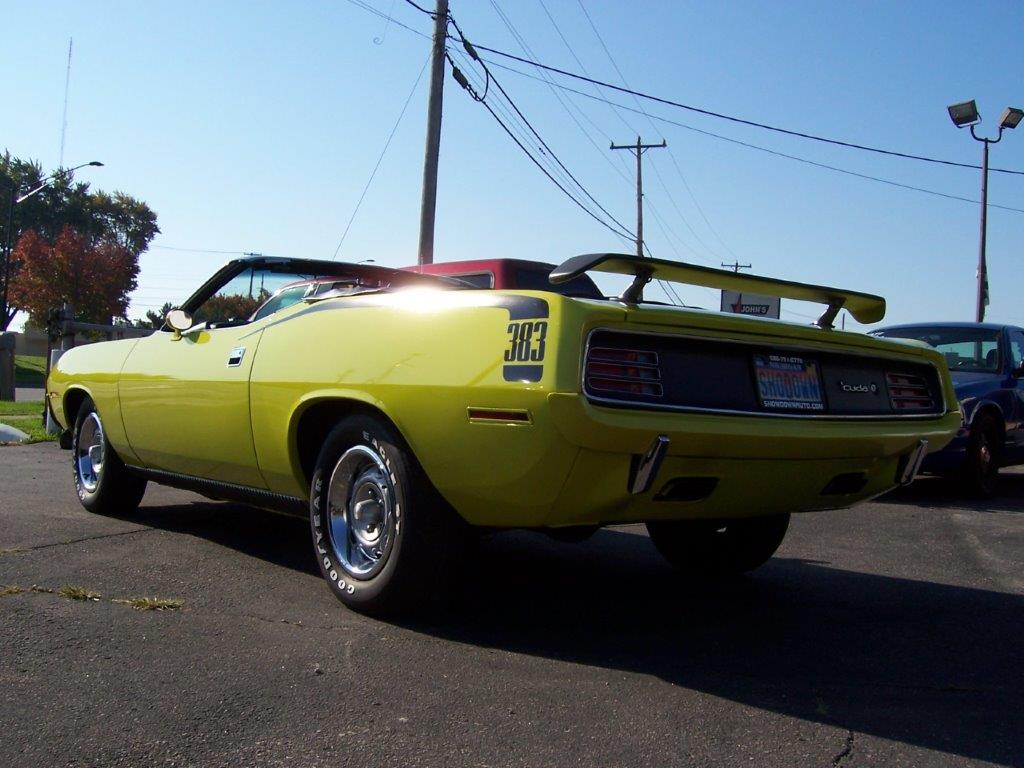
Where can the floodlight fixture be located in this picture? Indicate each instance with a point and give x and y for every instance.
(964, 114)
(1011, 117)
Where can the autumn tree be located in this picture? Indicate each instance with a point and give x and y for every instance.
(94, 277)
(110, 224)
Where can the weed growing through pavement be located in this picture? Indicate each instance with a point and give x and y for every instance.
(72, 592)
(153, 603)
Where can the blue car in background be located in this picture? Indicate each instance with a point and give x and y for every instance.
(986, 361)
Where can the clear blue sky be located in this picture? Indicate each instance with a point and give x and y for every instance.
(254, 126)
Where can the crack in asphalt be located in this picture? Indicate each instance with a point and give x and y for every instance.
(21, 550)
(297, 624)
(846, 751)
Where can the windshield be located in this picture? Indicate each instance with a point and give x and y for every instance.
(243, 288)
(965, 349)
(237, 299)
(285, 297)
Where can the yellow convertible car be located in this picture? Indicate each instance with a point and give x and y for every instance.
(402, 411)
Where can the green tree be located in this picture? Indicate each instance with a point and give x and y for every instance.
(154, 320)
(103, 220)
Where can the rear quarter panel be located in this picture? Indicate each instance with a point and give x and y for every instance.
(423, 360)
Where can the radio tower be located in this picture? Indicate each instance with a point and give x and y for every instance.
(64, 120)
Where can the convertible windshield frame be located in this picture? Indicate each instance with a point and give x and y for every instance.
(386, 277)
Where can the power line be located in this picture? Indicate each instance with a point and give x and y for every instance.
(690, 107)
(534, 160)
(672, 234)
(608, 137)
(740, 120)
(553, 86)
(381, 15)
(384, 35)
(515, 124)
(580, 64)
(666, 286)
(759, 148)
(558, 97)
(544, 147)
(380, 159)
(198, 250)
(529, 125)
(521, 140)
(550, 177)
(420, 8)
(657, 172)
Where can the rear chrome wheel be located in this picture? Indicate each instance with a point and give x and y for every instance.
(361, 503)
(385, 540)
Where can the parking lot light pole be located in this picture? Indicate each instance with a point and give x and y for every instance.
(14, 200)
(964, 115)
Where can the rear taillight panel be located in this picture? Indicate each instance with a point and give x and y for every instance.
(624, 372)
(676, 372)
(909, 393)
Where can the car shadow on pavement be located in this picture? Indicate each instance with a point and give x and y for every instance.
(921, 663)
(274, 538)
(928, 664)
(947, 493)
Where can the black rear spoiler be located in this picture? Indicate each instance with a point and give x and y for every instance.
(865, 307)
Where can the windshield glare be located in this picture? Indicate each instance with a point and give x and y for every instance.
(965, 349)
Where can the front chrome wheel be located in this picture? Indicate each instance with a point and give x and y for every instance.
(362, 512)
(89, 452)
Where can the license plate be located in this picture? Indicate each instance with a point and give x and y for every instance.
(788, 383)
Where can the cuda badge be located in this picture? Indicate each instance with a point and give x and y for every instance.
(865, 388)
(235, 357)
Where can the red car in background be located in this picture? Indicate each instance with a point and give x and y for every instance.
(510, 274)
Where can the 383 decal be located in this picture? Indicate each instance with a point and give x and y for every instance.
(526, 341)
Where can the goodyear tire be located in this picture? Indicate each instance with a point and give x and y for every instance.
(984, 452)
(384, 539)
(716, 548)
(104, 484)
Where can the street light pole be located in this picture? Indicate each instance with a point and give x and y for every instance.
(979, 314)
(7, 253)
(966, 115)
(8, 235)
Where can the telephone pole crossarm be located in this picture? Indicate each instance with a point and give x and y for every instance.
(736, 266)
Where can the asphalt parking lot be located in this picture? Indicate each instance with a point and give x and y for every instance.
(891, 634)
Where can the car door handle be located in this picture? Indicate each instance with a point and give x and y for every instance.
(235, 357)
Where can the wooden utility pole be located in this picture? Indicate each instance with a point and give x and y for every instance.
(638, 149)
(429, 202)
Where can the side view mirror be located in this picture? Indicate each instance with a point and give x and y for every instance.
(1018, 372)
(179, 320)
